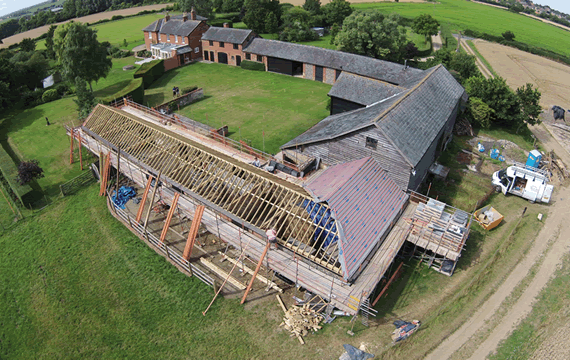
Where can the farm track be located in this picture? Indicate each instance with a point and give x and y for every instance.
(484, 70)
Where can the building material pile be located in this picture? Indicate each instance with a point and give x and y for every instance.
(438, 230)
(299, 320)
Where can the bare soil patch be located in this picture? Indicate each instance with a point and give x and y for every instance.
(34, 33)
(519, 68)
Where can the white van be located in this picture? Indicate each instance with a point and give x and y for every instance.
(528, 183)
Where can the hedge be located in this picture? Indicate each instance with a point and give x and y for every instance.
(186, 90)
(221, 22)
(9, 173)
(252, 65)
(150, 71)
(135, 89)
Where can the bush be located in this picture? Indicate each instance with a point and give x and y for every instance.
(63, 89)
(220, 22)
(186, 90)
(144, 53)
(32, 98)
(135, 89)
(50, 95)
(150, 71)
(117, 17)
(252, 65)
(9, 174)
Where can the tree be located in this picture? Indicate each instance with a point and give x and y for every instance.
(372, 34)
(411, 50)
(232, 5)
(465, 65)
(312, 6)
(508, 35)
(27, 45)
(28, 171)
(49, 42)
(498, 96)
(334, 32)
(336, 11)
(80, 54)
(530, 104)
(425, 25)
(85, 100)
(202, 7)
(256, 12)
(271, 24)
(480, 112)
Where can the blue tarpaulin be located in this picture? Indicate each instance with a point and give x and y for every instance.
(125, 194)
(321, 217)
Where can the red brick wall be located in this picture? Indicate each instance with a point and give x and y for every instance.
(171, 63)
(148, 41)
(194, 40)
(228, 49)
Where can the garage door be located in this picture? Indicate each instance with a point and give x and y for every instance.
(222, 58)
(280, 66)
(318, 73)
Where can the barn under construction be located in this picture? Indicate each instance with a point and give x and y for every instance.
(338, 230)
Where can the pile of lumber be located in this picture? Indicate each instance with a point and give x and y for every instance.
(299, 320)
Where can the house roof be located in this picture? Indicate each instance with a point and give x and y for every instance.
(175, 26)
(362, 90)
(356, 64)
(364, 201)
(411, 119)
(229, 35)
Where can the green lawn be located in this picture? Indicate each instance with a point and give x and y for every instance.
(117, 78)
(115, 32)
(468, 15)
(279, 105)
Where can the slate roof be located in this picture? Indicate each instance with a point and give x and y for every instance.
(364, 200)
(175, 26)
(362, 90)
(411, 119)
(229, 35)
(357, 64)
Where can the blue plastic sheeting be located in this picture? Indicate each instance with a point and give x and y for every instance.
(125, 194)
(356, 354)
(321, 217)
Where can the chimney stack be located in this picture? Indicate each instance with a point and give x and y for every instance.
(193, 14)
(166, 17)
(184, 16)
(226, 25)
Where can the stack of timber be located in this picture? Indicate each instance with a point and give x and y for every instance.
(299, 320)
(443, 232)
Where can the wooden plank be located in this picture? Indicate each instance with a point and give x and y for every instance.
(143, 201)
(232, 280)
(299, 337)
(255, 272)
(169, 217)
(196, 221)
(251, 272)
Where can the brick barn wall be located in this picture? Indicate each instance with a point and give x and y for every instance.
(171, 63)
(227, 49)
(329, 76)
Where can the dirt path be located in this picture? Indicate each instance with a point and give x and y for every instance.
(482, 68)
(556, 228)
(436, 42)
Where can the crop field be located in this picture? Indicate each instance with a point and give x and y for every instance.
(251, 104)
(519, 67)
(468, 15)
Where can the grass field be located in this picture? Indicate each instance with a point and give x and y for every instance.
(117, 78)
(279, 105)
(463, 15)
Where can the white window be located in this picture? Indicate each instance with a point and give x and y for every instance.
(175, 38)
(183, 39)
(150, 35)
(168, 37)
(197, 50)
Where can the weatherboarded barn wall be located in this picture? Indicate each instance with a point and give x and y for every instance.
(353, 146)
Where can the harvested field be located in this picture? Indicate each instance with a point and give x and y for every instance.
(34, 33)
(519, 68)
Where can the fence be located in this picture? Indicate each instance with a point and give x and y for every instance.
(161, 247)
(70, 187)
(192, 125)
